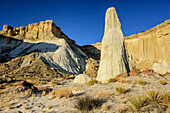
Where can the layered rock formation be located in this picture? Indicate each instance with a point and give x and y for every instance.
(149, 49)
(53, 47)
(113, 53)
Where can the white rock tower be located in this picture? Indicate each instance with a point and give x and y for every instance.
(113, 53)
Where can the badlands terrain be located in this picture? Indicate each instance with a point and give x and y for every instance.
(43, 70)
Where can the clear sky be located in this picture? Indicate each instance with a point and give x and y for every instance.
(83, 20)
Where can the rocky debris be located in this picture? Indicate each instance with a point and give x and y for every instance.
(82, 78)
(29, 66)
(113, 53)
(92, 67)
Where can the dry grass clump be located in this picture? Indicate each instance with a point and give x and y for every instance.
(86, 103)
(92, 82)
(105, 107)
(26, 107)
(123, 80)
(137, 101)
(111, 80)
(141, 82)
(163, 82)
(10, 107)
(154, 96)
(104, 95)
(62, 93)
(28, 92)
(166, 98)
(120, 90)
(55, 81)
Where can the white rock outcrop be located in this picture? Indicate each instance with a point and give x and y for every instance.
(82, 78)
(161, 68)
(46, 39)
(113, 53)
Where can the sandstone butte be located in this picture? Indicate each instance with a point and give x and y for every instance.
(148, 48)
(113, 60)
(45, 38)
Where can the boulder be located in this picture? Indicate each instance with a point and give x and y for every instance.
(161, 68)
(113, 53)
(82, 78)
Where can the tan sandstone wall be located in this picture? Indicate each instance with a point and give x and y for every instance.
(150, 46)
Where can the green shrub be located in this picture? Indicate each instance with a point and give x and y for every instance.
(120, 90)
(137, 101)
(154, 96)
(141, 82)
(92, 82)
(111, 80)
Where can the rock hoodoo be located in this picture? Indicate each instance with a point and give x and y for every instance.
(113, 53)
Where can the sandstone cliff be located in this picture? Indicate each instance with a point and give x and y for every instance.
(149, 47)
(53, 47)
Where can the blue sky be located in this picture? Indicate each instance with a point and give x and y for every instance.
(83, 20)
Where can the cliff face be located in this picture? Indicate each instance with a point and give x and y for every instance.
(149, 49)
(53, 47)
(44, 30)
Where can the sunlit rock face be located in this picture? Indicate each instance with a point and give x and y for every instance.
(151, 48)
(45, 38)
(113, 53)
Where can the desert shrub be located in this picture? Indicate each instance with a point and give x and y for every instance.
(166, 98)
(104, 95)
(162, 82)
(111, 80)
(92, 82)
(141, 82)
(55, 81)
(120, 90)
(154, 96)
(45, 88)
(86, 103)
(62, 93)
(105, 107)
(28, 92)
(137, 101)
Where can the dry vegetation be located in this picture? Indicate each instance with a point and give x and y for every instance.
(92, 82)
(120, 90)
(62, 93)
(86, 103)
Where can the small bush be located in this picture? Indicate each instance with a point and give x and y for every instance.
(111, 80)
(104, 95)
(87, 103)
(137, 102)
(154, 96)
(141, 82)
(92, 82)
(62, 93)
(120, 90)
(162, 82)
(105, 107)
(166, 98)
